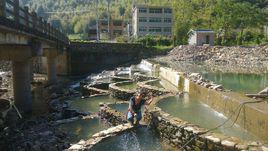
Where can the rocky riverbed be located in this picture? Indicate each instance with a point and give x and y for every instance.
(217, 58)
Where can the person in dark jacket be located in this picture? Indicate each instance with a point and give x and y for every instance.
(135, 104)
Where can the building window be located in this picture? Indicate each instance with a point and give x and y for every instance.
(168, 10)
(167, 29)
(155, 20)
(142, 19)
(167, 20)
(155, 29)
(142, 10)
(155, 10)
(142, 29)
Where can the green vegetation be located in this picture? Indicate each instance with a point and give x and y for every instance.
(236, 22)
(150, 41)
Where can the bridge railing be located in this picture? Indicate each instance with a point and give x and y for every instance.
(16, 17)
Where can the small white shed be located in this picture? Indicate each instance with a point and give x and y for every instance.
(201, 37)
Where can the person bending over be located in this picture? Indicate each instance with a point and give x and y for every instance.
(135, 104)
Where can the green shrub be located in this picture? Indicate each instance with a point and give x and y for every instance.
(122, 39)
(150, 41)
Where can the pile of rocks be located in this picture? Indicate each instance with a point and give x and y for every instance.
(5, 65)
(141, 77)
(218, 58)
(6, 84)
(198, 79)
(33, 134)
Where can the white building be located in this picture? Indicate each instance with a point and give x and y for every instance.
(152, 20)
(201, 37)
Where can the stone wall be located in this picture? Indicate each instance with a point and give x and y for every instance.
(91, 57)
(119, 93)
(141, 77)
(99, 137)
(179, 133)
(97, 88)
(112, 116)
(89, 91)
(119, 79)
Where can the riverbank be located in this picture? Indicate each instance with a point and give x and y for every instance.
(217, 58)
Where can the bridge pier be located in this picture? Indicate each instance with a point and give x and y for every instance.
(51, 55)
(21, 85)
(20, 55)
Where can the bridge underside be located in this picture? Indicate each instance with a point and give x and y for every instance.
(21, 57)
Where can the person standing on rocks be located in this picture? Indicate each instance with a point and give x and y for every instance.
(135, 104)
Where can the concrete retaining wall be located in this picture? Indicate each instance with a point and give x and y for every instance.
(170, 75)
(91, 57)
(253, 116)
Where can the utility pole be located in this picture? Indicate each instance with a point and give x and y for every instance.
(108, 3)
(97, 21)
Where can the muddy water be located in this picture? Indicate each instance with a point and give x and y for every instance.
(140, 139)
(191, 109)
(82, 129)
(248, 83)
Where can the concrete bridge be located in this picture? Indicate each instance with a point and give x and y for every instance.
(23, 36)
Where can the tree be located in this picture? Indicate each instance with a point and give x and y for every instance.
(122, 10)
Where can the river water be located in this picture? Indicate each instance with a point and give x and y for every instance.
(247, 83)
(140, 139)
(82, 129)
(187, 108)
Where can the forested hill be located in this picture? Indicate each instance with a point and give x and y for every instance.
(59, 12)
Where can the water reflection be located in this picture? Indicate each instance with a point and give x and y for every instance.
(248, 83)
